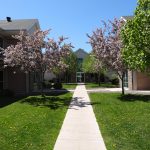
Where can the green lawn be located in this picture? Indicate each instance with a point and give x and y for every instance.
(32, 123)
(124, 120)
(69, 86)
(95, 85)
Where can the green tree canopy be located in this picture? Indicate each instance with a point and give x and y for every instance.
(71, 62)
(92, 65)
(136, 38)
(88, 64)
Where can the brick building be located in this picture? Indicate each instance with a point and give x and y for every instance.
(10, 78)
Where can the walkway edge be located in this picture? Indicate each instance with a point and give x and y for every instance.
(80, 130)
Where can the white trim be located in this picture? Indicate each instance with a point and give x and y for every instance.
(123, 19)
(134, 80)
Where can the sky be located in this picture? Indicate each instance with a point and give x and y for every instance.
(70, 18)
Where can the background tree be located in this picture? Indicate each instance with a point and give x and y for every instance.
(136, 38)
(107, 45)
(92, 65)
(71, 62)
(55, 53)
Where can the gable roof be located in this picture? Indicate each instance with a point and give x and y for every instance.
(15, 26)
(21, 24)
(80, 53)
(125, 18)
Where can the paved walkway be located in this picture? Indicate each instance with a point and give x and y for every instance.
(116, 90)
(80, 130)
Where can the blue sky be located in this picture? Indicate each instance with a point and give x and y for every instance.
(71, 18)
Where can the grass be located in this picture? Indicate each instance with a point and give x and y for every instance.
(32, 123)
(70, 86)
(124, 120)
(102, 85)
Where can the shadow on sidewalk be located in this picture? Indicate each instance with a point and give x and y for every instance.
(76, 101)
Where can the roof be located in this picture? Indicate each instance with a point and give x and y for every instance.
(125, 18)
(21, 24)
(80, 53)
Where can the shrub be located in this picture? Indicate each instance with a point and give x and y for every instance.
(115, 81)
(57, 85)
(49, 85)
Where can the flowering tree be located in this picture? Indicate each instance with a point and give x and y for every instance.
(55, 53)
(107, 45)
(28, 56)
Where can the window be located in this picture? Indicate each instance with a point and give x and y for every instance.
(1, 81)
(125, 79)
(1, 46)
(1, 62)
(1, 42)
(37, 77)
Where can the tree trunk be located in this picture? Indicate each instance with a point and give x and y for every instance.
(42, 79)
(99, 82)
(66, 76)
(58, 78)
(122, 83)
(95, 77)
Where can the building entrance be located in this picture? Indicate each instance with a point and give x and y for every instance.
(80, 77)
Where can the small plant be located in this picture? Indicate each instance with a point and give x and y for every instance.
(47, 85)
(57, 85)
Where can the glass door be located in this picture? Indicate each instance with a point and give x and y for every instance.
(80, 77)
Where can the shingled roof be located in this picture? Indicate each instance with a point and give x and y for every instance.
(13, 27)
(21, 24)
(80, 53)
(127, 17)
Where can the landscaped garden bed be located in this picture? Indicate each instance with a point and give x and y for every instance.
(32, 123)
(123, 120)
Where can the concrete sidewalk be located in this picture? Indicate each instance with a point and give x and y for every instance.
(118, 90)
(80, 130)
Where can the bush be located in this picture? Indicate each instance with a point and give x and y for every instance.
(49, 85)
(115, 81)
(57, 85)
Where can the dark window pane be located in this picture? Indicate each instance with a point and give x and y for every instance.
(1, 80)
